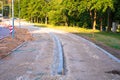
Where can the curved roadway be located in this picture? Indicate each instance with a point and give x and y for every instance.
(35, 60)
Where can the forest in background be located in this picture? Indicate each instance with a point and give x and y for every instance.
(95, 14)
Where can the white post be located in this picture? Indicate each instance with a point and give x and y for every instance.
(13, 18)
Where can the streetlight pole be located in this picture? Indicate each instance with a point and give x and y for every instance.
(13, 18)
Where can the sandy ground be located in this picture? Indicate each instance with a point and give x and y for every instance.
(21, 35)
(7, 44)
(82, 59)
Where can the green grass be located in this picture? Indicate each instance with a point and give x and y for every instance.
(67, 29)
(110, 39)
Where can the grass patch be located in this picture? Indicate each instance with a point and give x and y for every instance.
(110, 39)
(67, 29)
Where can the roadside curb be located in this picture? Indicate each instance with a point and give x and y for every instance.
(58, 63)
(18, 46)
(14, 50)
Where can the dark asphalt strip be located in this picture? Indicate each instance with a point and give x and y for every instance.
(58, 63)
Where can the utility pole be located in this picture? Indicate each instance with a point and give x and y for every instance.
(13, 18)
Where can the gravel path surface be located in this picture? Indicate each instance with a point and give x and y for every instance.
(84, 61)
(35, 59)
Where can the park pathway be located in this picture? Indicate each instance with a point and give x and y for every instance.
(38, 59)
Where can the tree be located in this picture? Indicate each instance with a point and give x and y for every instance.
(24, 8)
(55, 12)
(93, 6)
(116, 14)
(88, 13)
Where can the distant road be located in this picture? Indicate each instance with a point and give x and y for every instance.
(4, 32)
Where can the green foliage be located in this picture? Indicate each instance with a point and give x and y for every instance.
(68, 12)
(117, 11)
(55, 17)
(84, 21)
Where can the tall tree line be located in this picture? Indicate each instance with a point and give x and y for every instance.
(95, 14)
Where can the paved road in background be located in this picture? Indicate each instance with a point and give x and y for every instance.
(4, 32)
(35, 59)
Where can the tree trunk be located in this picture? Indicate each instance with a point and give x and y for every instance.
(101, 27)
(37, 20)
(41, 20)
(91, 17)
(46, 20)
(31, 18)
(109, 24)
(34, 19)
(94, 20)
(66, 24)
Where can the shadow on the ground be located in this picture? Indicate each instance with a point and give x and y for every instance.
(115, 72)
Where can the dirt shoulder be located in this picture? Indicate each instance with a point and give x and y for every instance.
(8, 44)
